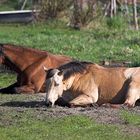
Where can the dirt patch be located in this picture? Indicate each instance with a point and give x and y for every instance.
(15, 106)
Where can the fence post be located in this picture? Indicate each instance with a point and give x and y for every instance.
(135, 14)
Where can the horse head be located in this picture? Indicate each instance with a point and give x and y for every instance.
(62, 79)
(54, 86)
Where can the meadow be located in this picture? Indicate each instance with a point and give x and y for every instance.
(25, 117)
(91, 45)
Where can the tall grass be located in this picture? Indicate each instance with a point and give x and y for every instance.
(117, 22)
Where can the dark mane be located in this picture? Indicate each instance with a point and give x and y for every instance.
(50, 73)
(73, 67)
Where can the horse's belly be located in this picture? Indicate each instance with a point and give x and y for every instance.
(112, 91)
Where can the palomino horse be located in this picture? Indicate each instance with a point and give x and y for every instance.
(84, 83)
(28, 64)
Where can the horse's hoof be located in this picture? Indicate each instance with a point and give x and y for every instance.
(71, 106)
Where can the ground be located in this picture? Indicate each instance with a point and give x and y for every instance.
(13, 108)
(25, 117)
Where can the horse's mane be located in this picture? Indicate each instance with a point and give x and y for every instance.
(73, 67)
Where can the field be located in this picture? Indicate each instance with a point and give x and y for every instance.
(25, 117)
(91, 45)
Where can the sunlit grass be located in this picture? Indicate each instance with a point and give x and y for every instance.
(7, 79)
(91, 45)
(72, 127)
(131, 118)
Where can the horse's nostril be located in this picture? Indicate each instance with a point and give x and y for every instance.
(48, 103)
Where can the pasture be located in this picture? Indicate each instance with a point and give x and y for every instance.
(25, 117)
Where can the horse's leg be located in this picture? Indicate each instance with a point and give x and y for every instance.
(34, 77)
(25, 89)
(133, 94)
(9, 89)
(82, 100)
(109, 105)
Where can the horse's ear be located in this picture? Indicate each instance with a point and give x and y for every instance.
(45, 68)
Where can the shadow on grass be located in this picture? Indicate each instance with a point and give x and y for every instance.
(33, 104)
(26, 104)
(40, 104)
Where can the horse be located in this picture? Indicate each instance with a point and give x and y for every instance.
(85, 83)
(28, 64)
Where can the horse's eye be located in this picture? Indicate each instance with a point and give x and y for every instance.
(60, 73)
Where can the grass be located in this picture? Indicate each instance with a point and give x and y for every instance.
(7, 79)
(131, 118)
(90, 45)
(71, 127)
(27, 123)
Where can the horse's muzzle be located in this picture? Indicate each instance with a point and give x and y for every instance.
(49, 104)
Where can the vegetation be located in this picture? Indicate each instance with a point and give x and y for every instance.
(130, 118)
(9, 5)
(104, 39)
(91, 45)
(77, 13)
(7, 79)
(30, 127)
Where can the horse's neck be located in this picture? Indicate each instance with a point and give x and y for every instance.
(68, 84)
(82, 83)
(57, 60)
(11, 65)
(17, 59)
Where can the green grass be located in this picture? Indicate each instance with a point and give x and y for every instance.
(27, 123)
(131, 118)
(7, 79)
(91, 45)
(72, 127)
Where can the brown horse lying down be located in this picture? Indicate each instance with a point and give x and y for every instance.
(84, 83)
(28, 64)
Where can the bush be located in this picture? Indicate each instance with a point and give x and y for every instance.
(82, 13)
(117, 22)
(51, 8)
